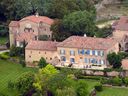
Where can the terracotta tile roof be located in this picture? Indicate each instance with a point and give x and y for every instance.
(121, 24)
(38, 19)
(42, 45)
(125, 64)
(27, 36)
(14, 24)
(87, 42)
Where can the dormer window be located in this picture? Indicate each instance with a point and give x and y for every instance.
(28, 28)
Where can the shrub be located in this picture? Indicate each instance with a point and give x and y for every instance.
(99, 87)
(16, 51)
(126, 81)
(91, 77)
(116, 81)
(22, 62)
(4, 56)
(42, 63)
(2, 94)
(11, 85)
(24, 83)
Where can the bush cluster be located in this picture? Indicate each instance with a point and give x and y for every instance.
(22, 62)
(4, 55)
(116, 81)
(99, 87)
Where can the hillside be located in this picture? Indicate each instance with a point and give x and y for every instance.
(111, 9)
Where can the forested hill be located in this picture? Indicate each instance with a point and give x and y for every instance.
(73, 17)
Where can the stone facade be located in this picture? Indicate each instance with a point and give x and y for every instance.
(39, 25)
(79, 59)
(32, 56)
(70, 52)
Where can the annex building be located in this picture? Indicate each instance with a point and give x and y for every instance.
(29, 28)
(77, 51)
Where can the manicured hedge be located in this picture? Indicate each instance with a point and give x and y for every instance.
(116, 81)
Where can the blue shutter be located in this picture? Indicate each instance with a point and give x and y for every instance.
(83, 51)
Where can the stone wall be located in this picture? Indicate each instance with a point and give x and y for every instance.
(101, 73)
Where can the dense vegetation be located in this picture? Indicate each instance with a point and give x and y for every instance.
(72, 17)
(115, 59)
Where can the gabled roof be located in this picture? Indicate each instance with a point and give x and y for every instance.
(14, 24)
(42, 45)
(87, 43)
(38, 19)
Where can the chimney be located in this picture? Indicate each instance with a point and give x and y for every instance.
(37, 14)
(85, 35)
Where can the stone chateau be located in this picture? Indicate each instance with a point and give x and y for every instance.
(75, 51)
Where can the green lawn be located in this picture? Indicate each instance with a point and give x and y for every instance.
(3, 40)
(107, 91)
(10, 71)
(111, 91)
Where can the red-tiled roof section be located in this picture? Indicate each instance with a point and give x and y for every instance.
(87, 42)
(38, 19)
(14, 23)
(42, 45)
(121, 24)
(27, 36)
(125, 64)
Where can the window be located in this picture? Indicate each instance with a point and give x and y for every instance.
(88, 52)
(72, 52)
(45, 53)
(81, 51)
(96, 52)
(101, 62)
(92, 60)
(50, 58)
(62, 52)
(93, 52)
(86, 60)
(46, 57)
(31, 51)
(63, 58)
(72, 60)
(96, 61)
(29, 56)
(39, 52)
(101, 53)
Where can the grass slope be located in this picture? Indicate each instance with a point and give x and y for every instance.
(112, 91)
(107, 91)
(10, 71)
